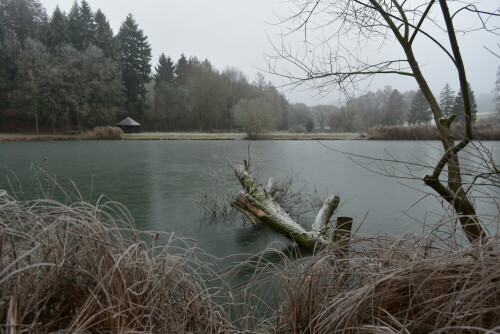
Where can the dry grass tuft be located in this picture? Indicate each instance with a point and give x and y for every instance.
(83, 268)
(104, 133)
(404, 286)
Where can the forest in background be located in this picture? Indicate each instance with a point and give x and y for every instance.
(70, 71)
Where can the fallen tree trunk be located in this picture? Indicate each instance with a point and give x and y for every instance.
(258, 205)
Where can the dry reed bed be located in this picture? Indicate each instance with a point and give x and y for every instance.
(71, 268)
(482, 131)
(396, 286)
(84, 268)
(103, 133)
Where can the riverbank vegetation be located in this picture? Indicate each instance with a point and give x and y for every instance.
(483, 130)
(91, 135)
(82, 267)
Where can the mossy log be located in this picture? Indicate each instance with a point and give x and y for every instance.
(258, 205)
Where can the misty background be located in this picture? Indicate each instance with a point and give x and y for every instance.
(240, 34)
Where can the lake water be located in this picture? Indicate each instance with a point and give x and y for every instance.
(159, 182)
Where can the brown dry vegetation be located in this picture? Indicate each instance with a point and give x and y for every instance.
(81, 268)
(78, 267)
(482, 131)
(103, 133)
(396, 286)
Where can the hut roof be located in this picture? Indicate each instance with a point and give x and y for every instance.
(127, 121)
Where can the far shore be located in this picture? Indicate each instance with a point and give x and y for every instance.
(17, 137)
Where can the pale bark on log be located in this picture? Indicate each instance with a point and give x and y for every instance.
(320, 224)
(257, 204)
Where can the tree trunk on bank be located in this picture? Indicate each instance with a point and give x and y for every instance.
(258, 205)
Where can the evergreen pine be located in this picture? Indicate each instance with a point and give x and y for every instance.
(164, 90)
(104, 35)
(395, 109)
(459, 109)
(134, 56)
(75, 27)
(57, 31)
(181, 71)
(88, 24)
(447, 100)
(420, 112)
(165, 70)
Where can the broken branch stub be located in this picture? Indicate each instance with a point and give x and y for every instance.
(320, 224)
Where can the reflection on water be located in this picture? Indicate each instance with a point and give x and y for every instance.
(159, 181)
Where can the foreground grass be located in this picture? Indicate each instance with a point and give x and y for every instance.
(78, 267)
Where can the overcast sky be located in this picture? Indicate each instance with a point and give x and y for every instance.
(237, 33)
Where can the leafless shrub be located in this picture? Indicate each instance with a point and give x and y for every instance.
(287, 190)
(299, 129)
(103, 133)
(216, 201)
(292, 194)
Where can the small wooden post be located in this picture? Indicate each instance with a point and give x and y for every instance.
(342, 233)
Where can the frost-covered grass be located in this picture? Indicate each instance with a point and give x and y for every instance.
(483, 130)
(81, 267)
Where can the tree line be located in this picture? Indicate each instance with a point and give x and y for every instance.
(70, 71)
(389, 107)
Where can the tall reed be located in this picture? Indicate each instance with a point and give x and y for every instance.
(482, 131)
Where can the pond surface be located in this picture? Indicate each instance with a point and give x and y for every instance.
(159, 181)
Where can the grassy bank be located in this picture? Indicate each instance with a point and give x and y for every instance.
(485, 131)
(84, 268)
(5, 137)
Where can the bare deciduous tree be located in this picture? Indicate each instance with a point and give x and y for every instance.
(338, 60)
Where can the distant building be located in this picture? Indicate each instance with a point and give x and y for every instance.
(128, 125)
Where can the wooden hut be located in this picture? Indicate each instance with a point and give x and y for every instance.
(128, 125)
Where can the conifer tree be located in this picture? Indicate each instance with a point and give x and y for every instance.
(420, 112)
(164, 90)
(447, 100)
(75, 27)
(134, 56)
(181, 71)
(459, 109)
(165, 70)
(57, 30)
(394, 109)
(104, 35)
(88, 24)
